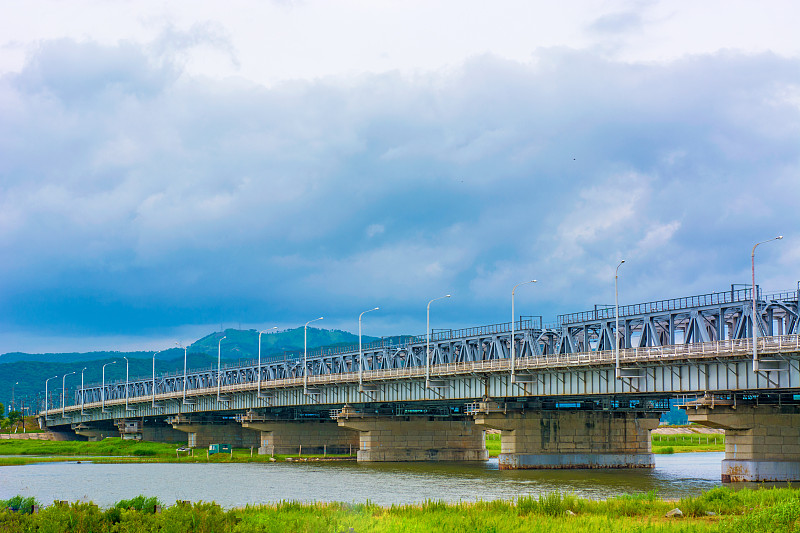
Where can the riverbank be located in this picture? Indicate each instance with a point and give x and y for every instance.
(664, 441)
(718, 510)
(116, 450)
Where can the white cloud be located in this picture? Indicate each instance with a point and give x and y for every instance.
(145, 195)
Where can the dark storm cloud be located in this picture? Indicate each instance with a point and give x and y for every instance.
(135, 198)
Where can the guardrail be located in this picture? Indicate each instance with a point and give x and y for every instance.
(742, 348)
(673, 304)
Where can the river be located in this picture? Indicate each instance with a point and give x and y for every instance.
(238, 484)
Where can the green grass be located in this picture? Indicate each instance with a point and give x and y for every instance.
(109, 446)
(661, 443)
(493, 444)
(116, 450)
(773, 510)
(692, 442)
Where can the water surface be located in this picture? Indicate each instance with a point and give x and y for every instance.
(238, 484)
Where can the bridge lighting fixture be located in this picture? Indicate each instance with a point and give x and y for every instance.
(616, 320)
(185, 349)
(305, 354)
(13, 405)
(219, 362)
(64, 392)
(361, 350)
(428, 342)
(127, 381)
(258, 376)
(513, 329)
(83, 391)
(46, 396)
(154, 377)
(755, 318)
(103, 387)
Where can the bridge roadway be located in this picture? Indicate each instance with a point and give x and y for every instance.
(557, 408)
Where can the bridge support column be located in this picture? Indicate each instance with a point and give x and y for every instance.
(417, 439)
(572, 439)
(148, 430)
(201, 434)
(762, 443)
(310, 436)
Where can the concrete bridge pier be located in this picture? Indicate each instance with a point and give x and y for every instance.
(416, 438)
(290, 437)
(572, 438)
(148, 430)
(762, 443)
(93, 432)
(201, 433)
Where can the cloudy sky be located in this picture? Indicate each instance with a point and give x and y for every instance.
(168, 168)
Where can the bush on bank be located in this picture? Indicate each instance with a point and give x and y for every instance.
(718, 510)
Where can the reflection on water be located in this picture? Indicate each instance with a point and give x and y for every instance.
(234, 485)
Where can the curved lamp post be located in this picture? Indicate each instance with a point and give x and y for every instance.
(103, 387)
(13, 404)
(428, 342)
(513, 329)
(617, 372)
(83, 391)
(756, 318)
(361, 351)
(219, 363)
(64, 393)
(258, 378)
(127, 381)
(184, 371)
(305, 354)
(154, 377)
(46, 397)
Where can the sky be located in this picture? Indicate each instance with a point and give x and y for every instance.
(168, 169)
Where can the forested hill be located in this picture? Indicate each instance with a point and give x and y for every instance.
(31, 370)
(244, 343)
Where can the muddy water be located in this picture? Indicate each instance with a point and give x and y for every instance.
(235, 485)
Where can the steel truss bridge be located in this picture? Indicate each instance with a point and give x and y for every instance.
(661, 344)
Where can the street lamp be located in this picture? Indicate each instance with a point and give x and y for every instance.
(756, 320)
(305, 354)
(126, 381)
(46, 396)
(428, 342)
(83, 391)
(616, 321)
(64, 392)
(360, 350)
(219, 362)
(13, 405)
(184, 372)
(258, 394)
(103, 387)
(154, 377)
(513, 329)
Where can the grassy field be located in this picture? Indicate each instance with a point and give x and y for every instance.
(691, 442)
(661, 443)
(718, 510)
(117, 450)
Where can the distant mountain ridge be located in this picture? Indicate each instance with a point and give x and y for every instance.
(31, 370)
(237, 345)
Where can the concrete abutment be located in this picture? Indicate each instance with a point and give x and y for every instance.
(416, 439)
(762, 443)
(202, 434)
(306, 436)
(572, 438)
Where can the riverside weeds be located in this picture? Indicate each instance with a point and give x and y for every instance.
(767, 510)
